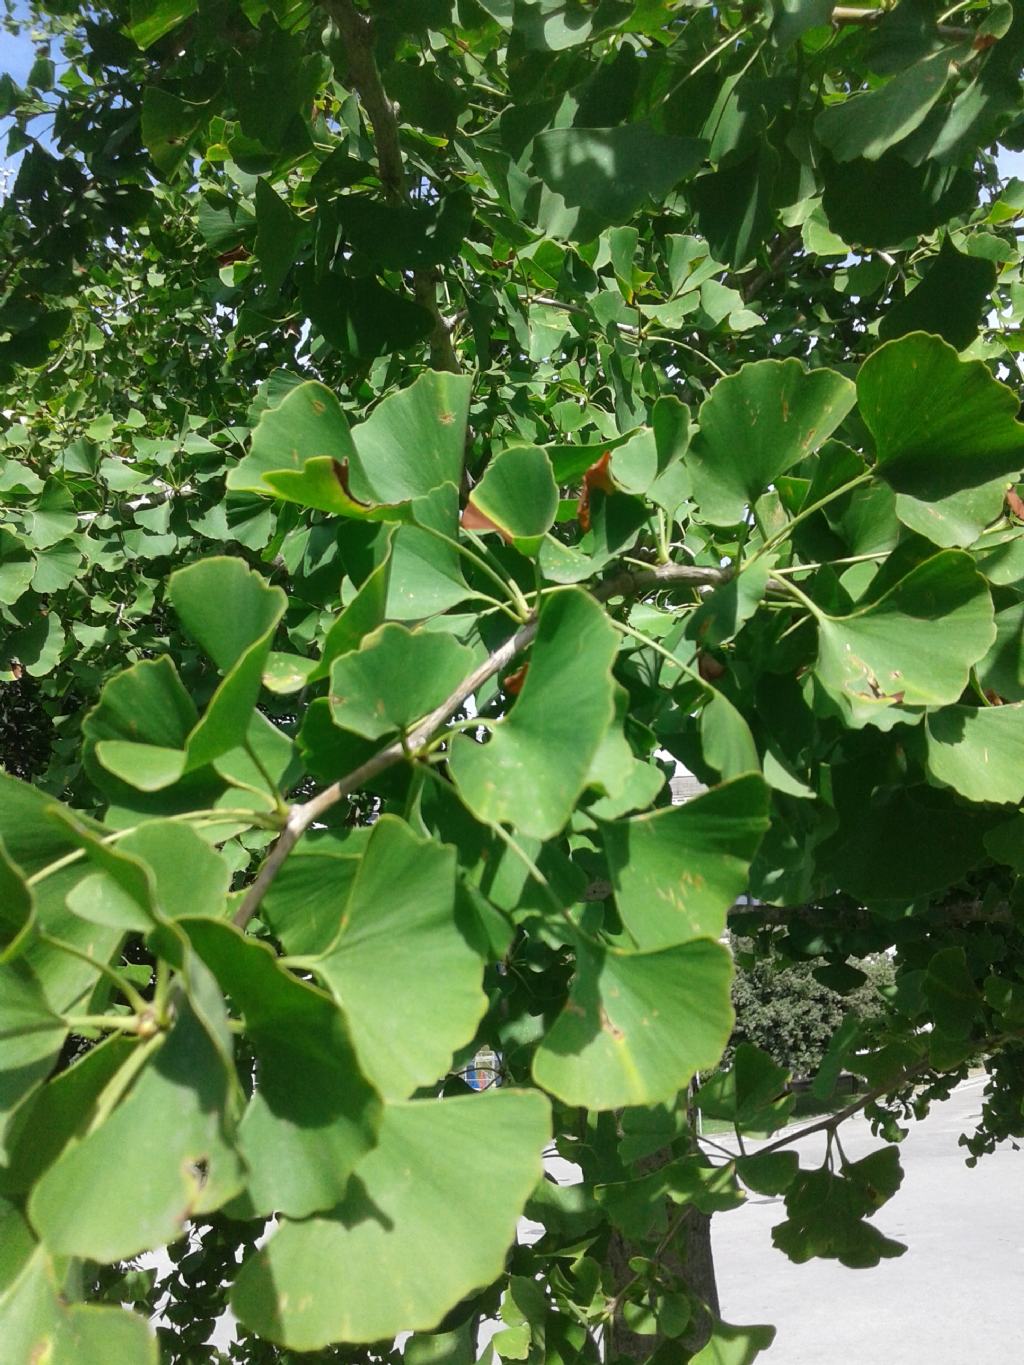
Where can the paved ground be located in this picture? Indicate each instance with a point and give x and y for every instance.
(955, 1298)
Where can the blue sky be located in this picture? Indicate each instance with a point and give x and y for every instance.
(17, 54)
(16, 58)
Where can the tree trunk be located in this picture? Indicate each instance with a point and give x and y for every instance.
(686, 1259)
(689, 1261)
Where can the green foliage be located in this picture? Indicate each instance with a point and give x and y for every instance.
(421, 425)
(791, 1011)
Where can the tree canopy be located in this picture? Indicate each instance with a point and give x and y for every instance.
(425, 423)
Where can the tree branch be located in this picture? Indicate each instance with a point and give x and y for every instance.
(357, 34)
(832, 1121)
(852, 14)
(626, 584)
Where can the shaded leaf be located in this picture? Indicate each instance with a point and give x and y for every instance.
(312, 1115)
(161, 1157)
(405, 1246)
(941, 424)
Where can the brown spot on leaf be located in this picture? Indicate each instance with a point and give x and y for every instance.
(597, 476)
(709, 667)
(238, 253)
(609, 1027)
(1015, 503)
(473, 519)
(446, 418)
(513, 683)
(318, 406)
(340, 468)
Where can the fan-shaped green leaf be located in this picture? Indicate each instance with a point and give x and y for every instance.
(406, 1244)
(891, 656)
(676, 871)
(414, 441)
(518, 495)
(312, 1114)
(38, 1324)
(162, 1157)
(637, 1026)
(756, 424)
(31, 1036)
(395, 678)
(869, 124)
(302, 451)
(534, 768)
(607, 173)
(400, 966)
(305, 904)
(948, 301)
(941, 424)
(978, 751)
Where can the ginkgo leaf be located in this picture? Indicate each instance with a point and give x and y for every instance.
(312, 1114)
(756, 424)
(978, 751)
(534, 767)
(394, 678)
(169, 1141)
(400, 966)
(884, 659)
(637, 1026)
(676, 871)
(405, 1245)
(518, 496)
(940, 424)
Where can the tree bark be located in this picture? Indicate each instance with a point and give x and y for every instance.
(689, 1261)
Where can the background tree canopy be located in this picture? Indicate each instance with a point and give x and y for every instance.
(424, 423)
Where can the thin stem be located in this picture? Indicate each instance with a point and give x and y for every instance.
(199, 817)
(510, 583)
(261, 768)
(531, 867)
(849, 559)
(659, 648)
(709, 1142)
(510, 590)
(806, 512)
(628, 583)
(138, 1004)
(709, 57)
(800, 596)
(160, 989)
(661, 535)
(834, 1120)
(111, 1023)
